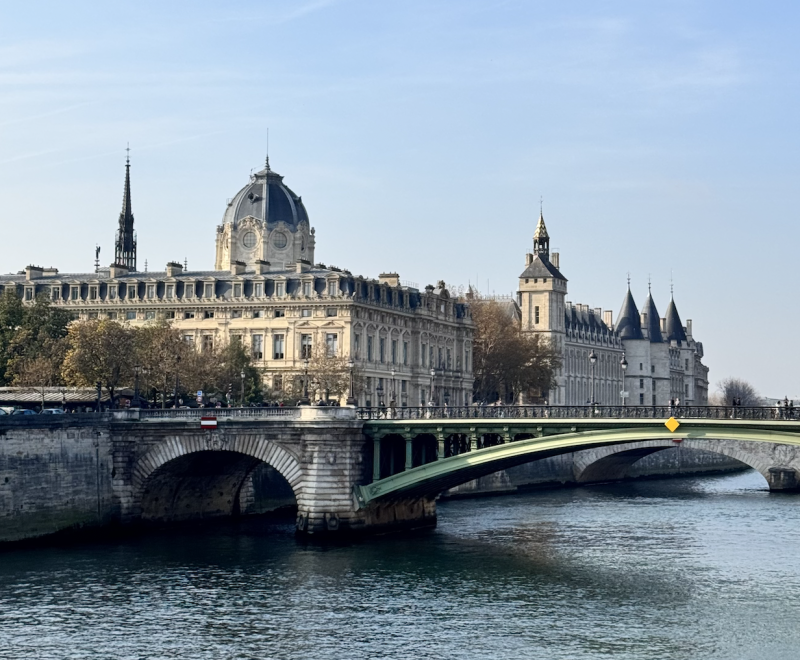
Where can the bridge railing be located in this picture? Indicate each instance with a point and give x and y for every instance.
(578, 412)
(196, 413)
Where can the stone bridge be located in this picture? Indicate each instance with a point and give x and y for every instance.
(344, 470)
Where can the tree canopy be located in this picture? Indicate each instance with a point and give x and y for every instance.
(507, 362)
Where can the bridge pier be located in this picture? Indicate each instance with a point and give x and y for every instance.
(783, 479)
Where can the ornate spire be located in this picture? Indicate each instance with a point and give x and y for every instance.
(541, 239)
(125, 245)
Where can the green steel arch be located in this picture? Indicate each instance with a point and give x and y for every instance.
(554, 438)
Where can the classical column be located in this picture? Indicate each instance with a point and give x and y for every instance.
(376, 459)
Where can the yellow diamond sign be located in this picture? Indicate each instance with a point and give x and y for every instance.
(672, 424)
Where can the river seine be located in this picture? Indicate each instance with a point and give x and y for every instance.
(679, 569)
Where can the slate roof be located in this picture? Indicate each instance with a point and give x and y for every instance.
(585, 320)
(653, 321)
(628, 322)
(675, 330)
(541, 267)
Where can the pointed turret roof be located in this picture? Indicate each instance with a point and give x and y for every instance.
(125, 244)
(675, 330)
(541, 229)
(628, 322)
(653, 320)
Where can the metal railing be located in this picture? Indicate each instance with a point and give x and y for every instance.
(578, 412)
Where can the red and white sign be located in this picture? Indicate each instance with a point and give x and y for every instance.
(208, 422)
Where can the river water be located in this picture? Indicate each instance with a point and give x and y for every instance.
(690, 568)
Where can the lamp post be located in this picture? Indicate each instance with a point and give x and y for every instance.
(392, 395)
(623, 363)
(175, 393)
(243, 374)
(351, 399)
(136, 371)
(379, 391)
(99, 387)
(63, 400)
(592, 360)
(304, 400)
(433, 386)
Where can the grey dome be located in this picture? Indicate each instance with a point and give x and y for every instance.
(279, 204)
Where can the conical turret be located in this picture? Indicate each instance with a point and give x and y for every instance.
(675, 330)
(628, 322)
(653, 320)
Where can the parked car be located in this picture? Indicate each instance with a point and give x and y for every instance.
(3, 412)
(23, 411)
(52, 411)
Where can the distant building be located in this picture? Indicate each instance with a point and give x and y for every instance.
(664, 360)
(265, 291)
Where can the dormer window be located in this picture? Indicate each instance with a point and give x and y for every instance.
(112, 291)
(237, 290)
(151, 291)
(208, 292)
(92, 293)
(280, 288)
(170, 291)
(332, 288)
(307, 289)
(188, 291)
(131, 291)
(55, 293)
(258, 289)
(28, 293)
(74, 293)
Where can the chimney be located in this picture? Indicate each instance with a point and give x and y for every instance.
(392, 279)
(598, 312)
(174, 269)
(663, 325)
(49, 272)
(33, 272)
(554, 259)
(528, 259)
(237, 267)
(608, 319)
(303, 265)
(116, 270)
(688, 328)
(643, 319)
(261, 266)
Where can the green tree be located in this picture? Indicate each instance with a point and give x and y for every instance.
(161, 354)
(99, 351)
(12, 312)
(507, 362)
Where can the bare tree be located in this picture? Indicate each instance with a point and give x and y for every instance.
(732, 388)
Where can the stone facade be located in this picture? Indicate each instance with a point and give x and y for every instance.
(664, 361)
(411, 346)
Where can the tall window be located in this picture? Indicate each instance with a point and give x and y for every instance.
(305, 347)
(237, 290)
(424, 354)
(332, 288)
(280, 288)
(441, 359)
(278, 347)
(307, 289)
(332, 343)
(55, 294)
(208, 342)
(29, 292)
(449, 359)
(277, 382)
(641, 383)
(151, 291)
(405, 353)
(536, 314)
(258, 289)
(357, 345)
(74, 293)
(430, 357)
(394, 351)
(369, 348)
(258, 346)
(170, 290)
(131, 291)
(382, 350)
(112, 291)
(208, 292)
(188, 291)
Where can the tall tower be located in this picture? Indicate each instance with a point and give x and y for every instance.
(125, 245)
(541, 294)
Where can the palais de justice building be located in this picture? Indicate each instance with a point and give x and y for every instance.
(411, 346)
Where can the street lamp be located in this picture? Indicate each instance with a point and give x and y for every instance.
(175, 393)
(351, 399)
(242, 391)
(304, 400)
(433, 386)
(136, 371)
(623, 363)
(99, 387)
(392, 396)
(592, 360)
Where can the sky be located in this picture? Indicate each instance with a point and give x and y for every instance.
(422, 136)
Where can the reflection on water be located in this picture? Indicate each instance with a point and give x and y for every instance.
(688, 568)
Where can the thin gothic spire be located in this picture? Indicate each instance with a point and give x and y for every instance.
(125, 244)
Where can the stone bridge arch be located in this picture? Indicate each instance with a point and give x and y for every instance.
(230, 458)
(773, 461)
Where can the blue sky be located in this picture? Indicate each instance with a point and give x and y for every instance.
(421, 136)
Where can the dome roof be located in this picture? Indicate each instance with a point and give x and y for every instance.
(267, 198)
